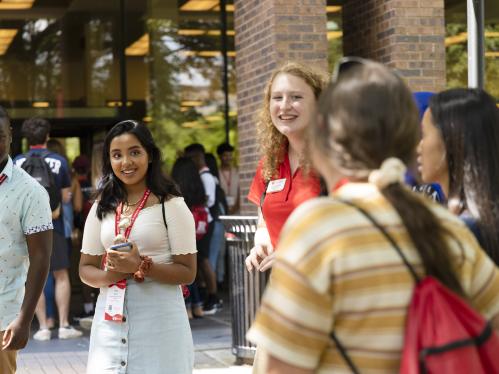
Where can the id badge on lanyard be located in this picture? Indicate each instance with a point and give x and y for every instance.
(115, 298)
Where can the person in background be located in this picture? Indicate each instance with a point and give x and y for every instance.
(68, 209)
(186, 175)
(229, 177)
(335, 270)
(413, 179)
(283, 179)
(197, 153)
(139, 205)
(81, 172)
(96, 170)
(74, 206)
(217, 243)
(25, 246)
(36, 131)
(458, 150)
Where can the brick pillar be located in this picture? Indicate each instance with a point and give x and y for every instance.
(269, 33)
(408, 35)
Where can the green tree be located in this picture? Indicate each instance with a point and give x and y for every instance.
(457, 60)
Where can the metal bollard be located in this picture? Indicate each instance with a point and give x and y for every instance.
(245, 289)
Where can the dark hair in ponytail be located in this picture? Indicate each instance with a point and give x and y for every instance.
(366, 116)
(112, 191)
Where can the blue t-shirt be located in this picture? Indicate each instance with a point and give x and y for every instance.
(60, 169)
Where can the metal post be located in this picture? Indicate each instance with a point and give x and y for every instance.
(122, 60)
(476, 47)
(225, 74)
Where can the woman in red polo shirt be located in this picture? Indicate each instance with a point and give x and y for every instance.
(283, 178)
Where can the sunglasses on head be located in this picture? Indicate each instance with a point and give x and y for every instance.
(345, 64)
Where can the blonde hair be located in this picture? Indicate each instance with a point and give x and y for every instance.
(273, 145)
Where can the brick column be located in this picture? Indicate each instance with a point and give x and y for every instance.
(269, 33)
(406, 34)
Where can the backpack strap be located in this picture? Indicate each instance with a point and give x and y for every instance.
(333, 336)
(344, 353)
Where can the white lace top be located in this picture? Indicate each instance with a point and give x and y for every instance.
(148, 232)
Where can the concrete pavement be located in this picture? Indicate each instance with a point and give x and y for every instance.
(212, 342)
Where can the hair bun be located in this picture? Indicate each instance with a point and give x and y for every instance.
(392, 170)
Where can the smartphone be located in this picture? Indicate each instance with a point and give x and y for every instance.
(122, 247)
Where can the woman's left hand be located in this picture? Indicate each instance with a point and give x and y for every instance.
(123, 262)
(267, 262)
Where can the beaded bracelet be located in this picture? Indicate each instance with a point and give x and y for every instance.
(144, 268)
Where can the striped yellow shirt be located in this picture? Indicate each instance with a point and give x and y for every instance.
(335, 269)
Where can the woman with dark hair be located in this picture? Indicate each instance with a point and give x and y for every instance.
(186, 175)
(335, 271)
(458, 150)
(140, 323)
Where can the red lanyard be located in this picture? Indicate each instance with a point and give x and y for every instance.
(3, 177)
(119, 210)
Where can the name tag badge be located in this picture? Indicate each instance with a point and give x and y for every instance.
(115, 301)
(276, 185)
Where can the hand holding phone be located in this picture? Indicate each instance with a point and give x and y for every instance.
(122, 247)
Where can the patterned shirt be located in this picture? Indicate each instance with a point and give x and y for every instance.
(25, 210)
(334, 269)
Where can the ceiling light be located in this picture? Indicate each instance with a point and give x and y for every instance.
(140, 47)
(197, 32)
(116, 103)
(462, 37)
(218, 32)
(492, 54)
(456, 39)
(334, 35)
(16, 4)
(333, 8)
(228, 7)
(207, 53)
(214, 118)
(6, 37)
(199, 5)
(40, 104)
(191, 103)
(191, 32)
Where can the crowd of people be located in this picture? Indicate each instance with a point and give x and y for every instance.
(341, 226)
